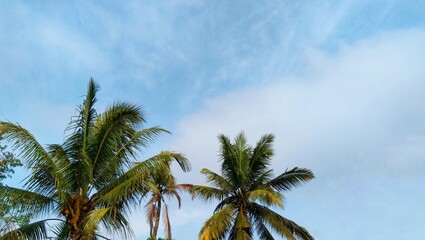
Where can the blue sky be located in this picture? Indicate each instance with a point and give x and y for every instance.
(340, 84)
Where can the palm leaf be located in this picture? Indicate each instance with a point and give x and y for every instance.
(217, 225)
(267, 196)
(261, 155)
(126, 188)
(292, 178)
(35, 157)
(40, 204)
(209, 193)
(115, 223)
(262, 230)
(284, 226)
(91, 220)
(109, 167)
(216, 180)
(33, 231)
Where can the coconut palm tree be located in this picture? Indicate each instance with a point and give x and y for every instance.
(248, 193)
(88, 185)
(162, 184)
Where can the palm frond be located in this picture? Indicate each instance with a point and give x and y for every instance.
(209, 193)
(113, 128)
(30, 150)
(61, 230)
(33, 231)
(261, 155)
(228, 200)
(292, 178)
(120, 154)
(35, 157)
(261, 229)
(280, 224)
(217, 180)
(235, 159)
(217, 226)
(267, 196)
(126, 188)
(40, 204)
(261, 180)
(91, 219)
(88, 113)
(116, 224)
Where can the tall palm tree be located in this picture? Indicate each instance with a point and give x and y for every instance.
(162, 184)
(247, 192)
(91, 182)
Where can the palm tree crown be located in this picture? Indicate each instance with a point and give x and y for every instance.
(246, 190)
(91, 181)
(162, 185)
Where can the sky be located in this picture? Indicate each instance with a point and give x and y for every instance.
(339, 83)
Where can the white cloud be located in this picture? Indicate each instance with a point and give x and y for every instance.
(356, 118)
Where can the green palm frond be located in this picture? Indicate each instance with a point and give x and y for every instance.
(88, 113)
(120, 154)
(116, 224)
(23, 141)
(234, 166)
(262, 230)
(134, 182)
(113, 129)
(261, 155)
(228, 200)
(292, 178)
(91, 220)
(35, 157)
(209, 194)
(261, 180)
(76, 145)
(216, 180)
(284, 226)
(33, 231)
(217, 226)
(229, 167)
(61, 230)
(40, 204)
(266, 196)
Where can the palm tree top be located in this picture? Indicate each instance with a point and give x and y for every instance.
(95, 178)
(245, 189)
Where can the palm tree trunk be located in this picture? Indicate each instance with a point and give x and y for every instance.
(158, 215)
